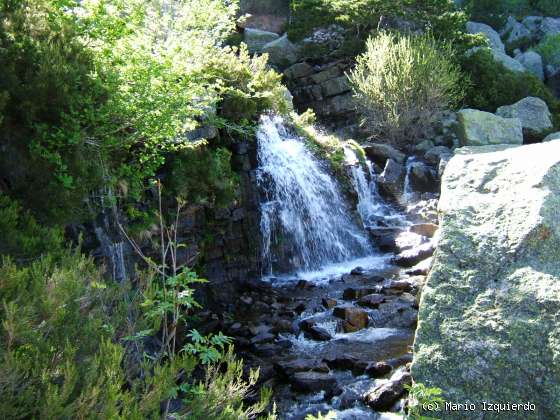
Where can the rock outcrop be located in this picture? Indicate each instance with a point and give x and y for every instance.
(488, 324)
(533, 113)
(479, 128)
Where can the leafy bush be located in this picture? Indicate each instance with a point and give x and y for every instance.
(420, 397)
(549, 48)
(96, 93)
(403, 83)
(492, 85)
(73, 346)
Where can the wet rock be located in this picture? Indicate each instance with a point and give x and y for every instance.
(435, 154)
(335, 86)
(329, 303)
(391, 180)
(423, 178)
(304, 285)
(314, 332)
(385, 238)
(262, 338)
(400, 286)
(479, 128)
(354, 319)
(308, 382)
(378, 369)
(413, 256)
(383, 397)
(371, 301)
(421, 269)
(357, 271)
(348, 399)
(551, 137)
(425, 229)
(380, 153)
(282, 326)
(289, 368)
(247, 300)
(353, 294)
(352, 363)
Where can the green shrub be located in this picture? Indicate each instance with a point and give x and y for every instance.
(548, 7)
(496, 12)
(492, 85)
(402, 84)
(549, 48)
(22, 237)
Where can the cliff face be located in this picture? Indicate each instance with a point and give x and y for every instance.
(488, 322)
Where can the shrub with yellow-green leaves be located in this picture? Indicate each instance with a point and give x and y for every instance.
(402, 84)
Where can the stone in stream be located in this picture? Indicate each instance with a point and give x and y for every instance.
(398, 287)
(354, 319)
(421, 269)
(353, 294)
(371, 301)
(348, 362)
(425, 229)
(288, 368)
(378, 369)
(489, 314)
(391, 180)
(383, 397)
(312, 331)
(308, 382)
(380, 153)
(411, 257)
(329, 303)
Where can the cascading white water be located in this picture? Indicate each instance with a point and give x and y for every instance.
(304, 221)
(371, 207)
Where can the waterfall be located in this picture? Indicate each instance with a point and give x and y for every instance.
(373, 210)
(305, 223)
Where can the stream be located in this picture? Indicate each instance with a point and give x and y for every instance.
(332, 318)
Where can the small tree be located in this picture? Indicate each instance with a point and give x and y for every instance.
(402, 83)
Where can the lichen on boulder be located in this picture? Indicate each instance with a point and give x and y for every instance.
(489, 315)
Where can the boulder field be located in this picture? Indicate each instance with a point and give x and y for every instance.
(489, 320)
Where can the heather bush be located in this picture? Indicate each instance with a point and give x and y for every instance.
(402, 84)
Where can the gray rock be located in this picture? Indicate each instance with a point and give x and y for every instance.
(533, 25)
(532, 112)
(391, 179)
(435, 154)
(488, 323)
(281, 52)
(327, 74)
(314, 382)
(515, 31)
(256, 39)
(422, 178)
(491, 35)
(380, 153)
(533, 62)
(335, 86)
(288, 368)
(508, 62)
(550, 26)
(479, 128)
(340, 104)
(411, 257)
(553, 136)
(298, 70)
(353, 319)
(424, 146)
(371, 301)
(383, 397)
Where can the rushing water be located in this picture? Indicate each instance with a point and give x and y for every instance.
(305, 223)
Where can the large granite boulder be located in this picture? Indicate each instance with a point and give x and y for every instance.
(533, 62)
(281, 52)
(489, 33)
(256, 39)
(479, 128)
(515, 31)
(532, 112)
(489, 315)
